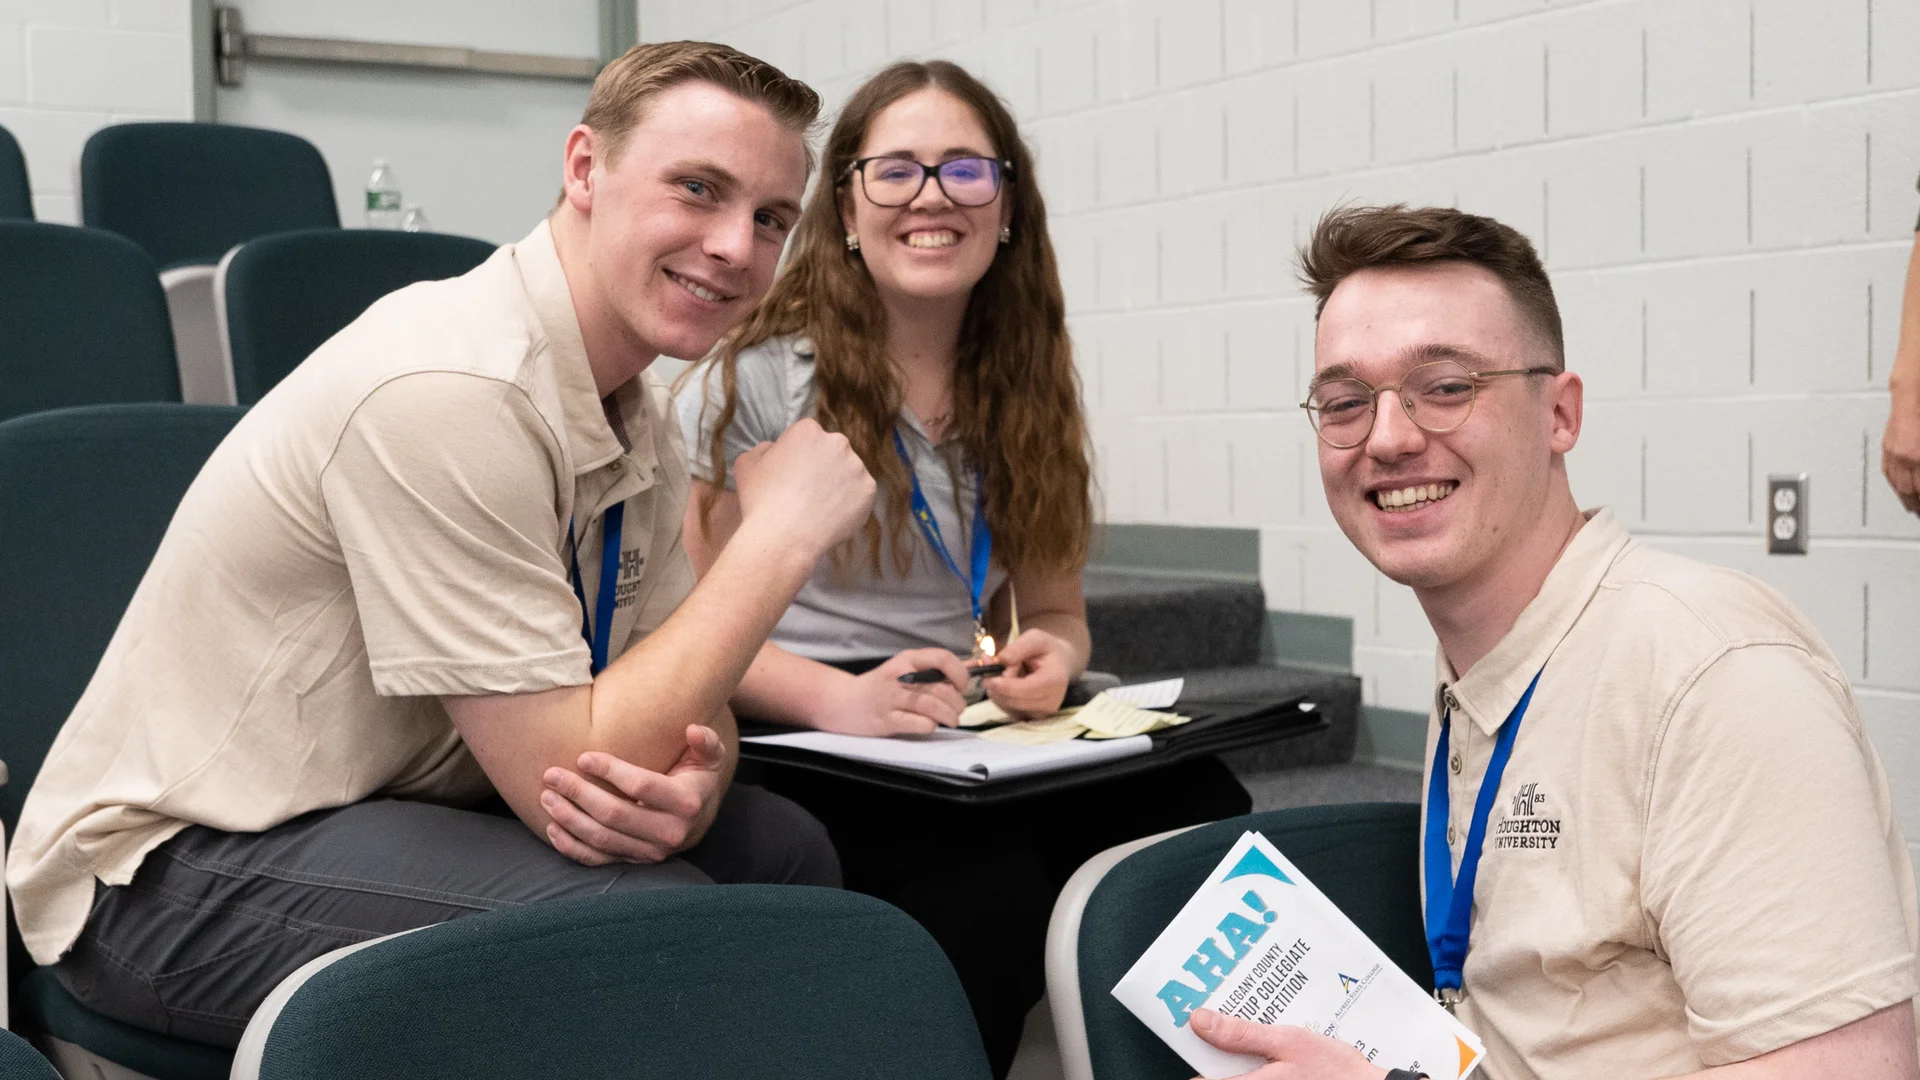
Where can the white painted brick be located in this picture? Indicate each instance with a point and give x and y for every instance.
(1604, 466)
(1697, 58)
(1192, 45)
(1260, 137)
(1808, 178)
(1396, 20)
(71, 13)
(13, 68)
(1697, 327)
(1482, 11)
(1193, 351)
(1696, 473)
(1810, 321)
(1193, 259)
(1893, 619)
(1892, 722)
(1265, 354)
(111, 70)
(1696, 180)
(1066, 65)
(1397, 621)
(1395, 678)
(953, 22)
(1129, 267)
(1132, 367)
(1259, 34)
(173, 15)
(1806, 52)
(1502, 87)
(1069, 173)
(1413, 104)
(1504, 186)
(1600, 317)
(1126, 138)
(1197, 464)
(1334, 131)
(52, 142)
(1193, 155)
(1013, 69)
(1077, 252)
(1891, 202)
(1332, 26)
(1886, 267)
(58, 209)
(1266, 470)
(1315, 569)
(1592, 204)
(1896, 63)
(1593, 70)
(909, 27)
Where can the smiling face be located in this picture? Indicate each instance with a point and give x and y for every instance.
(931, 248)
(1437, 511)
(687, 221)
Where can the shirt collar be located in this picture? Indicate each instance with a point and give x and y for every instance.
(590, 439)
(1490, 690)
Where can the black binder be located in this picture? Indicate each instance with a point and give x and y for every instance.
(1218, 725)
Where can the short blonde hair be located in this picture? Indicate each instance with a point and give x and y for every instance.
(620, 94)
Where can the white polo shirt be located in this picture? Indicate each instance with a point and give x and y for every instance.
(388, 525)
(1692, 859)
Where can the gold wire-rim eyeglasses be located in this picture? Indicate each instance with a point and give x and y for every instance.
(1470, 379)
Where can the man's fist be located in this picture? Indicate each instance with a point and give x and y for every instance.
(809, 483)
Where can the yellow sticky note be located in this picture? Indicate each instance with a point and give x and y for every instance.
(1059, 727)
(1106, 717)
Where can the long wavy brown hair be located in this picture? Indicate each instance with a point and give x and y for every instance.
(1016, 394)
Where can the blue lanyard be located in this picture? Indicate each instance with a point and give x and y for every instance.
(600, 629)
(982, 539)
(1450, 900)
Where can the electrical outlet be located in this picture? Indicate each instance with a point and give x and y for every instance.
(1787, 514)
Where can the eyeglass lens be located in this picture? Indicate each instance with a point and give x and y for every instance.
(968, 181)
(1437, 396)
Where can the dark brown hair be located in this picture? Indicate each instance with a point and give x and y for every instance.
(623, 88)
(1354, 238)
(1016, 394)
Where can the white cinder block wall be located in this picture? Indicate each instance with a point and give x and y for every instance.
(70, 67)
(1723, 190)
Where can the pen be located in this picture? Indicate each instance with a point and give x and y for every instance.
(933, 675)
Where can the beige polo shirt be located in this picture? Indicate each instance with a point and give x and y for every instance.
(389, 524)
(1692, 859)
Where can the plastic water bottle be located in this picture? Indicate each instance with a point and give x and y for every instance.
(414, 219)
(383, 198)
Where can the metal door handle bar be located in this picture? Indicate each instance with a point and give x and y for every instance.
(233, 47)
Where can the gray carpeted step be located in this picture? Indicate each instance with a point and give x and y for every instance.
(1143, 620)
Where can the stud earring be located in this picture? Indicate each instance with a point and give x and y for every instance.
(1006, 234)
(853, 242)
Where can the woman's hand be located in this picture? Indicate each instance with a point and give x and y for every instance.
(1039, 667)
(878, 703)
(1900, 451)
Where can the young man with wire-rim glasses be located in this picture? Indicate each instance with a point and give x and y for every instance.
(1656, 840)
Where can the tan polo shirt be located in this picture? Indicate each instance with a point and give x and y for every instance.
(1692, 859)
(389, 524)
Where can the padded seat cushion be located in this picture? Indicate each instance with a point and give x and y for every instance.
(1365, 857)
(44, 1005)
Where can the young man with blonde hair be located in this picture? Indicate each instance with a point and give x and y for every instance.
(1657, 840)
(441, 561)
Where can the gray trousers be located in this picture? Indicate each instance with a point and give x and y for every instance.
(213, 920)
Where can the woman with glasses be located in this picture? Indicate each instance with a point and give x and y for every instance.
(921, 315)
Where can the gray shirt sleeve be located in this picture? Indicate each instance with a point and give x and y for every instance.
(761, 412)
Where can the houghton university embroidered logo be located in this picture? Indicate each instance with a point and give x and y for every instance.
(1526, 825)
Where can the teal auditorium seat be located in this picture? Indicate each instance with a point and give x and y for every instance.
(712, 981)
(188, 192)
(20, 1061)
(85, 496)
(1364, 856)
(281, 296)
(16, 196)
(82, 321)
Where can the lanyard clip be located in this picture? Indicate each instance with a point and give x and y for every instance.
(1448, 997)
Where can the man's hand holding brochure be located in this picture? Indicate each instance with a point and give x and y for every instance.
(1259, 942)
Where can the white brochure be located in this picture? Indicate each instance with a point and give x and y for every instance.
(1260, 942)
